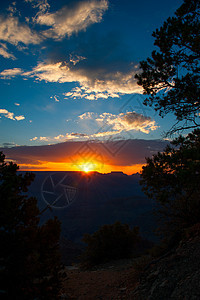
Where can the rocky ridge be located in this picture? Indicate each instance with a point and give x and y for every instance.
(175, 276)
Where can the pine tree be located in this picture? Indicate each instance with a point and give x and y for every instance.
(171, 76)
(30, 265)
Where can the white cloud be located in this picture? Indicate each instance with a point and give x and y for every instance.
(69, 20)
(93, 84)
(7, 114)
(75, 135)
(128, 121)
(6, 74)
(34, 139)
(91, 87)
(19, 118)
(4, 52)
(60, 136)
(44, 138)
(13, 32)
(115, 124)
(65, 21)
(105, 133)
(58, 72)
(87, 115)
(10, 115)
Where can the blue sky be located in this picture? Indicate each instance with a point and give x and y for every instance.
(67, 67)
(67, 70)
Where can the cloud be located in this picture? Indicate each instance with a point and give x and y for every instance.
(4, 52)
(87, 115)
(6, 145)
(19, 118)
(93, 85)
(7, 74)
(132, 151)
(13, 32)
(105, 133)
(34, 139)
(65, 21)
(69, 20)
(121, 122)
(60, 136)
(12, 9)
(76, 58)
(7, 114)
(41, 5)
(111, 125)
(70, 136)
(10, 115)
(56, 98)
(128, 121)
(44, 138)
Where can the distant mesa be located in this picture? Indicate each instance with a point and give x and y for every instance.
(117, 173)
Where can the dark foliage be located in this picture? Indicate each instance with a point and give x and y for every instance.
(172, 178)
(29, 254)
(110, 242)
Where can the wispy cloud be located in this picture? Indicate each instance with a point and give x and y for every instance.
(42, 6)
(5, 53)
(44, 138)
(87, 115)
(7, 145)
(60, 137)
(111, 125)
(12, 9)
(8, 73)
(66, 21)
(14, 32)
(10, 115)
(69, 20)
(74, 58)
(55, 98)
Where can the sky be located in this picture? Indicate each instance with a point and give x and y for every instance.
(67, 80)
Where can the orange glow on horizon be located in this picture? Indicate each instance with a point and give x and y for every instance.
(85, 167)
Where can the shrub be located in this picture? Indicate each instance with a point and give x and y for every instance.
(110, 242)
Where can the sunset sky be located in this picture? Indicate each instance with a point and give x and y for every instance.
(67, 77)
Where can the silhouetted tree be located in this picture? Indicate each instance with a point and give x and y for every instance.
(172, 178)
(29, 254)
(110, 242)
(171, 76)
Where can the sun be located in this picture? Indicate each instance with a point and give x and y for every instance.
(87, 167)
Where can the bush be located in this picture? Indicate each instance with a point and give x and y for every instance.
(110, 242)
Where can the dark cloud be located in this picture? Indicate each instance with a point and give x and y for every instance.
(119, 153)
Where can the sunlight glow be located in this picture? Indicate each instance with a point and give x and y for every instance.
(87, 167)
